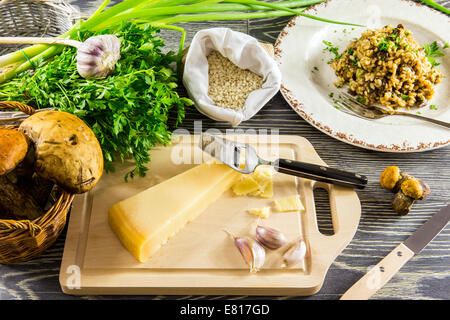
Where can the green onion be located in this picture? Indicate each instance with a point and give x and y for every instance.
(162, 14)
(436, 6)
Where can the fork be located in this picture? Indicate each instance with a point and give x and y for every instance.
(352, 106)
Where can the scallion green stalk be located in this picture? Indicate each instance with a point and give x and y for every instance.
(51, 51)
(436, 6)
(155, 14)
(161, 13)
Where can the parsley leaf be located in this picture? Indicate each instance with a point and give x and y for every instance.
(432, 51)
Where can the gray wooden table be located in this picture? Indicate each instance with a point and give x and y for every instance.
(426, 276)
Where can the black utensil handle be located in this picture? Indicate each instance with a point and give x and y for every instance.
(320, 173)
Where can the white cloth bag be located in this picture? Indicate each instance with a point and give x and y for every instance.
(245, 52)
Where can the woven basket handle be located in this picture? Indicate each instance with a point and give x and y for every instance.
(24, 225)
(17, 105)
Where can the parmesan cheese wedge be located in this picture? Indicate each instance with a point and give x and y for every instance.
(291, 203)
(146, 221)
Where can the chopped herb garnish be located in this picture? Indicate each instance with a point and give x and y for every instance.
(315, 68)
(405, 97)
(331, 95)
(445, 45)
(350, 51)
(383, 46)
(361, 99)
(337, 107)
(418, 112)
(333, 49)
(432, 51)
(433, 107)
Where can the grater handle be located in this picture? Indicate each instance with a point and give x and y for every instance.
(320, 173)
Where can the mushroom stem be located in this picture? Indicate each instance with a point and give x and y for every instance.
(15, 201)
(402, 203)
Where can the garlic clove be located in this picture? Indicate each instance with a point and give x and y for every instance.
(295, 253)
(270, 237)
(253, 253)
(97, 56)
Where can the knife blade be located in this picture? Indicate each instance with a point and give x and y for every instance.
(379, 275)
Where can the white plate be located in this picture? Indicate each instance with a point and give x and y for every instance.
(299, 49)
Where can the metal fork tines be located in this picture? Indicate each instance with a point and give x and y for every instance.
(351, 105)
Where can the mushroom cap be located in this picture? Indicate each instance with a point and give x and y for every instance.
(415, 188)
(67, 151)
(13, 149)
(389, 177)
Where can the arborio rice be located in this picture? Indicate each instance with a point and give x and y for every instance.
(389, 67)
(229, 85)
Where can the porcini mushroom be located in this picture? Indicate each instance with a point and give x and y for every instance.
(415, 188)
(407, 188)
(14, 201)
(389, 177)
(67, 151)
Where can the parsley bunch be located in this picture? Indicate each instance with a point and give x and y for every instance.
(128, 111)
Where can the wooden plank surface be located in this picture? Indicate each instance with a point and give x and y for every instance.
(426, 276)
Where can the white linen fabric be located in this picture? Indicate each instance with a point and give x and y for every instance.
(246, 53)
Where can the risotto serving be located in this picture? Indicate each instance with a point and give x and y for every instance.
(389, 67)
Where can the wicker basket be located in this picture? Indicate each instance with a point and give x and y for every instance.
(33, 18)
(22, 240)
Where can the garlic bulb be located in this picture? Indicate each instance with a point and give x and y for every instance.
(253, 253)
(97, 56)
(270, 237)
(295, 253)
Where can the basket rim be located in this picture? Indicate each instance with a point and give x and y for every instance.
(62, 6)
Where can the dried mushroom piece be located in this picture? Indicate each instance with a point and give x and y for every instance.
(415, 188)
(389, 177)
(407, 188)
(14, 201)
(67, 151)
(402, 203)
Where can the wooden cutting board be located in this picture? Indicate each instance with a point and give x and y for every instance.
(202, 258)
